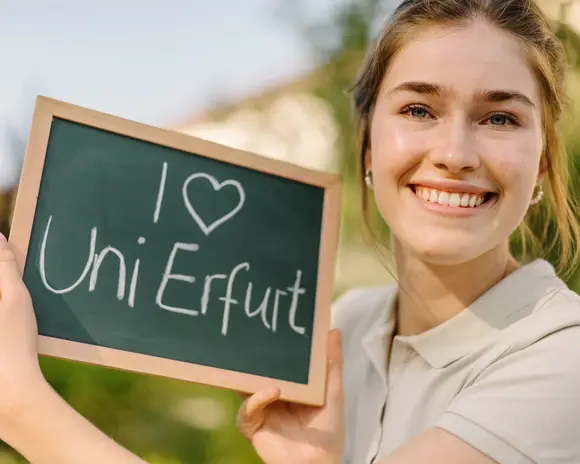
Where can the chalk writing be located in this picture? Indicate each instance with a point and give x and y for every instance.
(95, 261)
(122, 270)
(160, 193)
(86, 270)
(207, 229)
(167, 276)
(135, 276)
(272, 301)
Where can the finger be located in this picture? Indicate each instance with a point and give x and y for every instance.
(252, 411)
(10, 279)
(334, 381)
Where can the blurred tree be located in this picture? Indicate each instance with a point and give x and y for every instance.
(341, 44)
(569, 123)
(338, 44)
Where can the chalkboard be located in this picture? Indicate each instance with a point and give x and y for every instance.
(153, 251)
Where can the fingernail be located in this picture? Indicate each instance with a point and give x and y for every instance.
(3, 238)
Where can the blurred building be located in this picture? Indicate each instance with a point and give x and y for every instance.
(558, 10)
(285, 122)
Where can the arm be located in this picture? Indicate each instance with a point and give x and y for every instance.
(34, 420)
(47, 430)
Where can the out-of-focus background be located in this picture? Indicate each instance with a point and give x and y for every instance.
(268, 76)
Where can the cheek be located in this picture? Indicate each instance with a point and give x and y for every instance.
(395, 150)
(514, 166)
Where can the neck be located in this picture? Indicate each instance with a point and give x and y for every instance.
(431, 294)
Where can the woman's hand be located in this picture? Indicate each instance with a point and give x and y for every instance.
(291, 433)
(20, 374)
(33, 418)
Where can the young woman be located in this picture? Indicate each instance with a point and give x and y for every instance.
(471, 357)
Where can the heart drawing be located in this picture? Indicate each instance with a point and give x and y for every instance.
(217, 186)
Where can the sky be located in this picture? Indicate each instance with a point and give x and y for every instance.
(153, 61)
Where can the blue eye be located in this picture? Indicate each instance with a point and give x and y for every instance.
(417, 112)
(501, 120)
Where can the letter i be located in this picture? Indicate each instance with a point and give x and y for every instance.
(135, 277)
(160, 193)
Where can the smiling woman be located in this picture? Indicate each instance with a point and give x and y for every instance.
(466, 359)
(469, 358)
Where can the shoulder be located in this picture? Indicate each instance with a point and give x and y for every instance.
(526, 403)
(539, 350)
(547, 341)
(555, 315)
(527, 306)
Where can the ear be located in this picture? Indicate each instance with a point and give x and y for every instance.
(542, 172)
(367, 159)
(543, 168)
(541, 178)
(366, 146)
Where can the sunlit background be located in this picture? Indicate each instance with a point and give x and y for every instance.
(268, 76)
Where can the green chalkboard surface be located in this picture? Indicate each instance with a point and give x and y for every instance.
(143, 247)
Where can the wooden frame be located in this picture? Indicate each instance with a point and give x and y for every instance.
(312, 393)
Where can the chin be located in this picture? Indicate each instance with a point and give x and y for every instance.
(450, 250)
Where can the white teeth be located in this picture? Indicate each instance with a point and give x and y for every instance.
(465, 200)
(454, 199)
(443, 198)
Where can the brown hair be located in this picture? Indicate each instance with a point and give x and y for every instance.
(554, 220)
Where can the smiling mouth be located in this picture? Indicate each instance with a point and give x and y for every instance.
(452, 199)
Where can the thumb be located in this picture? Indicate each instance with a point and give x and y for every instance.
(10, 278)
(252, 412)
(334, 380)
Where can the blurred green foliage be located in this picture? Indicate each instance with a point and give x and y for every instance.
(171, 422)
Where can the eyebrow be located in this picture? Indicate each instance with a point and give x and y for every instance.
(491, 96)
(498, 96)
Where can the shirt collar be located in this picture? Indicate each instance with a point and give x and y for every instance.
(510, 300)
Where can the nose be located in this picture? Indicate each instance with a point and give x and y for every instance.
(456, 151)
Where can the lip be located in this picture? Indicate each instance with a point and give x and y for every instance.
(454, 211)
(452, 186)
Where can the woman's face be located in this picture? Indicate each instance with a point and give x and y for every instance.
(455, 142)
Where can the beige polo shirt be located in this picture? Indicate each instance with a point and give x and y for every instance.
(503, 375)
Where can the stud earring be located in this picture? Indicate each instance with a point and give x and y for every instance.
(538, 196)
(369, 179)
